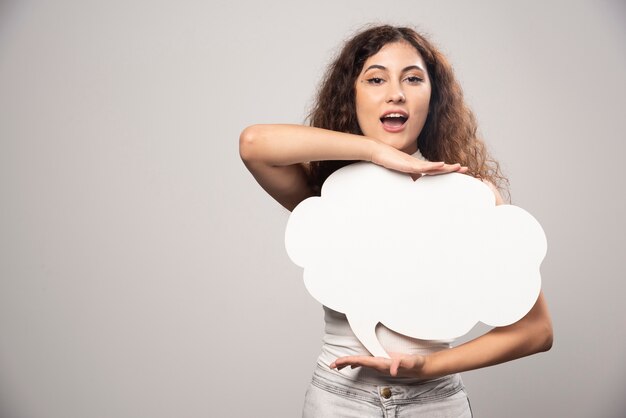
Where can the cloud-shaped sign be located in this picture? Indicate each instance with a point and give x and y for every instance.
(427, 258)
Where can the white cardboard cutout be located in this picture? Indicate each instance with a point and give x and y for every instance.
(427, 258)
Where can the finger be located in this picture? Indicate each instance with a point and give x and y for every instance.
(342, 362)
(452, 167)
(395, 364)
(378, 363)
(350, 361)
(424, 167)
(448, 168)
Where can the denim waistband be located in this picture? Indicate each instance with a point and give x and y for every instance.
(419, 392)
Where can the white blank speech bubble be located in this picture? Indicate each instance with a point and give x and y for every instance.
(427, 258)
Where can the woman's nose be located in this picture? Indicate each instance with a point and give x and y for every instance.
(396, 96)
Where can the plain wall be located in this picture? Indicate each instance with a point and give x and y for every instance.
(143, 270)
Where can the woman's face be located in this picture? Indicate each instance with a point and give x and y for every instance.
(392, 96)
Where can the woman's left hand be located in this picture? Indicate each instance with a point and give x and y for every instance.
(402, 365)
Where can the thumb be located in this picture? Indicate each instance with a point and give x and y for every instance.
(395, 364)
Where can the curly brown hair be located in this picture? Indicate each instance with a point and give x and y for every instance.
(450, 131)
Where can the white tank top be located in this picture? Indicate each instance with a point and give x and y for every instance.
(339, 340)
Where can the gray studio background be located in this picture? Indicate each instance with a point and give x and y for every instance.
(142, 269)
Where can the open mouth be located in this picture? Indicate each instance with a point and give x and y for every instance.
(393, 121)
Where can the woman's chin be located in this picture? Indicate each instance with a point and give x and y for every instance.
(399, 142)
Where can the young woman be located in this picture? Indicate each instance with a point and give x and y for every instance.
(391, 98)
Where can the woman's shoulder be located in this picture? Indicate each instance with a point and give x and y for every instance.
(499, 199)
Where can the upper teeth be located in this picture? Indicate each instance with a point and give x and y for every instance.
(394, 115)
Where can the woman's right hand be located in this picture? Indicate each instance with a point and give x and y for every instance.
(394, 159)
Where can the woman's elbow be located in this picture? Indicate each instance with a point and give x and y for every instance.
(548, 337)
(540, 325)
(247, 139)
(544, 337)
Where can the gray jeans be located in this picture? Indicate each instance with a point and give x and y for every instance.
(332, 395)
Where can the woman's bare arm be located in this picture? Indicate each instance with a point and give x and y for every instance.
(276, 156)
(531, 334)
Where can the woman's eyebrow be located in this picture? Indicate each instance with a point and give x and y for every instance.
(405, 69)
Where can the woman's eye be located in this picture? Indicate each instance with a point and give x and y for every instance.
(414, 79)
(375, 80)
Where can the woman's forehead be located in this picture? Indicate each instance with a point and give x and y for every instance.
(395, 55)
